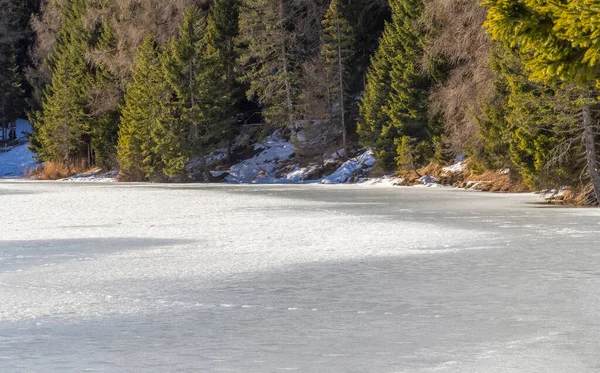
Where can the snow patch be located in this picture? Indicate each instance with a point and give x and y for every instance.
(388, 180)
(94, 176)
(429, 181)
(350, 168)
(15, 162)
(262, 168)
(455, 168)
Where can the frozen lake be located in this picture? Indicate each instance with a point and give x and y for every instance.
(150, 278)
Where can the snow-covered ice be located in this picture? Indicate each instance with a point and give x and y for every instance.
(308, 278)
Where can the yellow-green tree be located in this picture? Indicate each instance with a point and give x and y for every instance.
(149, 139)
(558, 43)
(62, 125)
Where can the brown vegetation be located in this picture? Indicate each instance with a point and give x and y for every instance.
(458, 40)
(488, 181)
(56, 171)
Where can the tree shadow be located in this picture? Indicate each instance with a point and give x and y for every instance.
(19, 254)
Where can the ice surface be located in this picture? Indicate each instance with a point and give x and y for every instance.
(311, 278)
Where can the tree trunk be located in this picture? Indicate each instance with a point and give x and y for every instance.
(342, 103)
(590, 147)
(193, 103)
(284, 61)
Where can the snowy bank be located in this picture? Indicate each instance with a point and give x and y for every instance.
(351, 168)
(94, 176)
(263, 167)
(16, 161)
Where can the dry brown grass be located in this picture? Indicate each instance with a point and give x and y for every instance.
(489, 181)
(55, 171)
(583, 197)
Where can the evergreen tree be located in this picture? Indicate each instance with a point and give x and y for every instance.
(367, 18)
(149, 140)
(270, 58)
(531, 127)
(200, 64)
(558, 45)
(184, 64)
(15, 40)
(395, 99)
(338, 41)
(11, 93)
(223, 94)
(104, 98)
(63, 124)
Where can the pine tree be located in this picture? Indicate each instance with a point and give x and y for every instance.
(15, 40)
(184, 64)
(63, 123)
(530, 127)
(271, 58)
(367, 18)
(104, 97)
(373, 116)
(149, 141)
(200, 64)
(395, 99)
(222, 93)
(558, 45)
(337, 52)
(11, 93)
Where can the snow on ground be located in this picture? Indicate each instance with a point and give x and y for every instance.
(94, 176)
(388, 180)
(262, 168)
(455, 168)
(215, 158)
(298, 175)
(274, 155)
(429, 181)
(350, 168)
(16, 162)
(304, 278)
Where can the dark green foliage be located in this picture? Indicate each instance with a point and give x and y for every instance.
(63, 124)
(78, 118)
(270, 56)
(532, 127)
(184, 65)
(558, 47)
(337, 52)
(395, 99)
(200, 66)
(11, 92)
(222, 95)
(150, 138)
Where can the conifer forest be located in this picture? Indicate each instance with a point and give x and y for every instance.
(148, 86)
